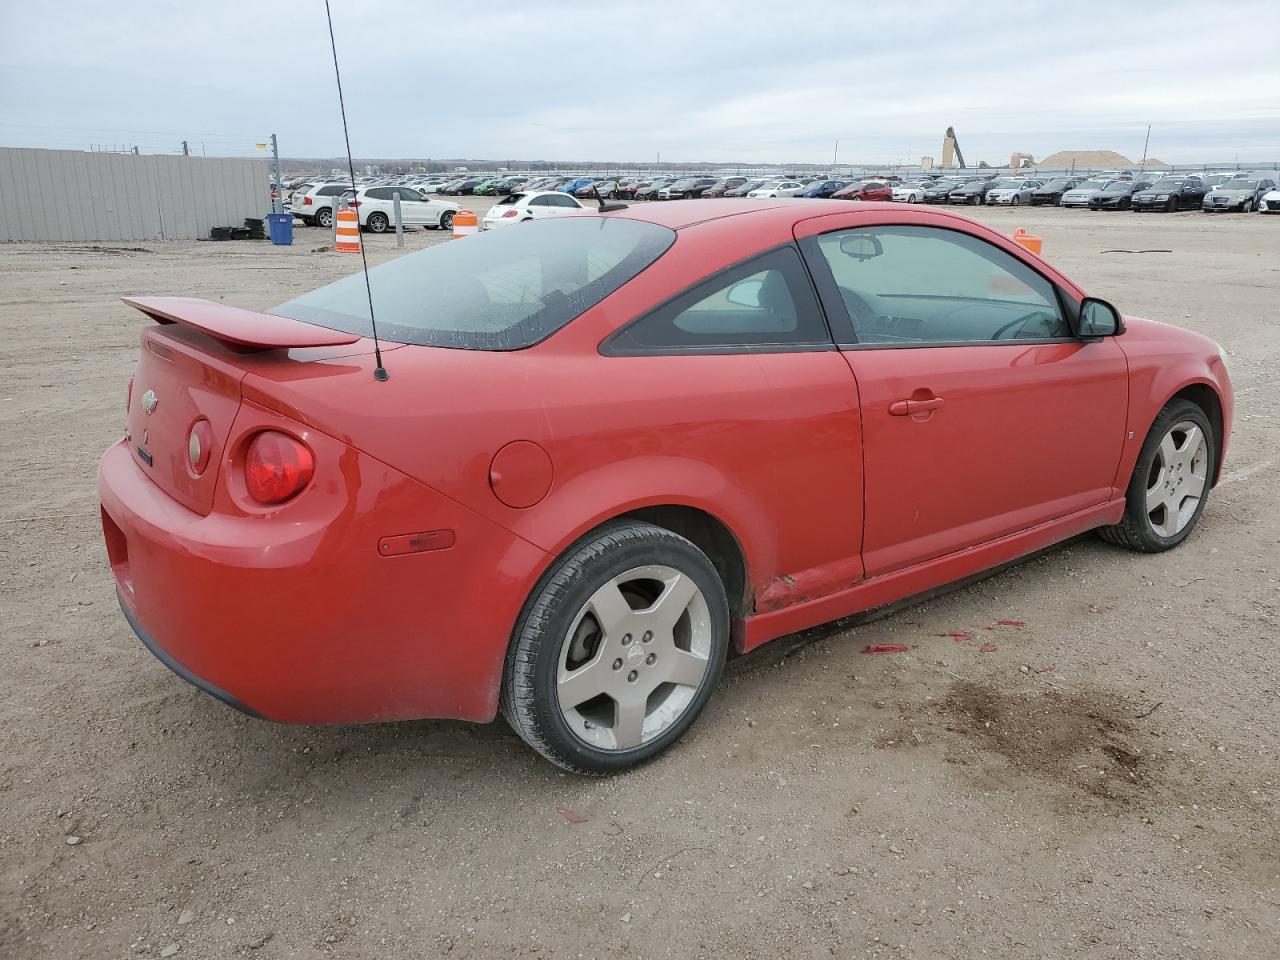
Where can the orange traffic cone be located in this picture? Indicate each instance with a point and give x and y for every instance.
(1027, 240)
(465, 224)
(348, 232)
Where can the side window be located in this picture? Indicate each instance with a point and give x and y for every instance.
(562, 200)
(543, 201)
(332, 191)
(378, 193)
(766, 302)
(911, 285)
(408, 193)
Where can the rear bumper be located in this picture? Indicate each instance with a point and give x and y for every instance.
(167, 659)
(293, 615)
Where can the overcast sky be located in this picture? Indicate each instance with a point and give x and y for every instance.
(716, 81)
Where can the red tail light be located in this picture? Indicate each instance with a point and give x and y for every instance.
(512, 213)
(354, 203)
(306, 201)
(277, 467)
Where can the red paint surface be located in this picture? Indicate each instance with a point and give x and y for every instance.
(292, 610)
(887, 648)
(959, 636)
(233, 325)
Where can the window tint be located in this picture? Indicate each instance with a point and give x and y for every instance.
(500, 290)
(767, 301)
(543, 201)
(332, 190)
(927, 285)
(408, 193)
(562, 200)
(378, 193)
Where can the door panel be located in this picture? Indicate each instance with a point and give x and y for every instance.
(982, 415)
(1024, 433)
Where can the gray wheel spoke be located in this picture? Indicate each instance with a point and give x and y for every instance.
(1168, 451)
(687, 669)
(583, 684)
(1190, 445)
(674, 601)
(628, 720)
(611, 609)
(1194, 486)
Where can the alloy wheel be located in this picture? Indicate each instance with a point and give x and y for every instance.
(1177, 478)
(634, 657)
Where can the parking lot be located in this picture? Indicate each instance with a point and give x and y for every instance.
(1074, 758)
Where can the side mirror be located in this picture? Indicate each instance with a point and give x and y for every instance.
(859, 246)
(746, 293)
(1099, 319)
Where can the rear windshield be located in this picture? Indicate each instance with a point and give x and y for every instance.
(500, 290)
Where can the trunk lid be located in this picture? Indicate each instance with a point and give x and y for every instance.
(190, 370)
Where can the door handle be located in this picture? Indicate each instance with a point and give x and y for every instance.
(914, 408)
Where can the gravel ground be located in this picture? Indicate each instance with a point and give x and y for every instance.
(1096, 778)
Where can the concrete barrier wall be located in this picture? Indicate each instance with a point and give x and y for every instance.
(72, 195)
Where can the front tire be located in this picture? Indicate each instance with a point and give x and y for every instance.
(1017, 201)
(446, 220)
(618, 649)
(1170, 482)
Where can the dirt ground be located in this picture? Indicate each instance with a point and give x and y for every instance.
(1097, 777)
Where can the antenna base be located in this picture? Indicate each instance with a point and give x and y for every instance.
(380, 373)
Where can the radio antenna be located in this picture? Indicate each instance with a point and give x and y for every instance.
(379, 372)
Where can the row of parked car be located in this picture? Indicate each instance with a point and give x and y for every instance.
(530, 197)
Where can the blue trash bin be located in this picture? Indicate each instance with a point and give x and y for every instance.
(280, 228)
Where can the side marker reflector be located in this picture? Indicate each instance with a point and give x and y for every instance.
(415, 543)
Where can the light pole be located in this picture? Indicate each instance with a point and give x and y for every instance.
(835, 153)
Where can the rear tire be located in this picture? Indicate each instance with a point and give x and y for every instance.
(378, 222)
(617, 650)
(1171, 469)
(324, 218)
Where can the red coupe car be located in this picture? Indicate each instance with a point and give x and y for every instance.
(615, 447)
(873, 190)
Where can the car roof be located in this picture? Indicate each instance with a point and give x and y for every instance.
(677, 216)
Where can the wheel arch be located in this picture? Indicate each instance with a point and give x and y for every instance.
(713, 537)
(1205, 396)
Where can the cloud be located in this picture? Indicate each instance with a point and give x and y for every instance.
(746, 80)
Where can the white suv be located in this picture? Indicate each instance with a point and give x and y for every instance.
(315, 205)
(376, 206)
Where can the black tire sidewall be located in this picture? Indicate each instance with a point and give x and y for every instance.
(379, 218)
(552, 608)
(1136, 497)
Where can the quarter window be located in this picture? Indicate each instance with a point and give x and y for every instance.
(910, 285)
(765, 302)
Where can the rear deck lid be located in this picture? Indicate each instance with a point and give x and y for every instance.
(188, 379)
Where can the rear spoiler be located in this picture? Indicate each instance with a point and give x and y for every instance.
(240, 328)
